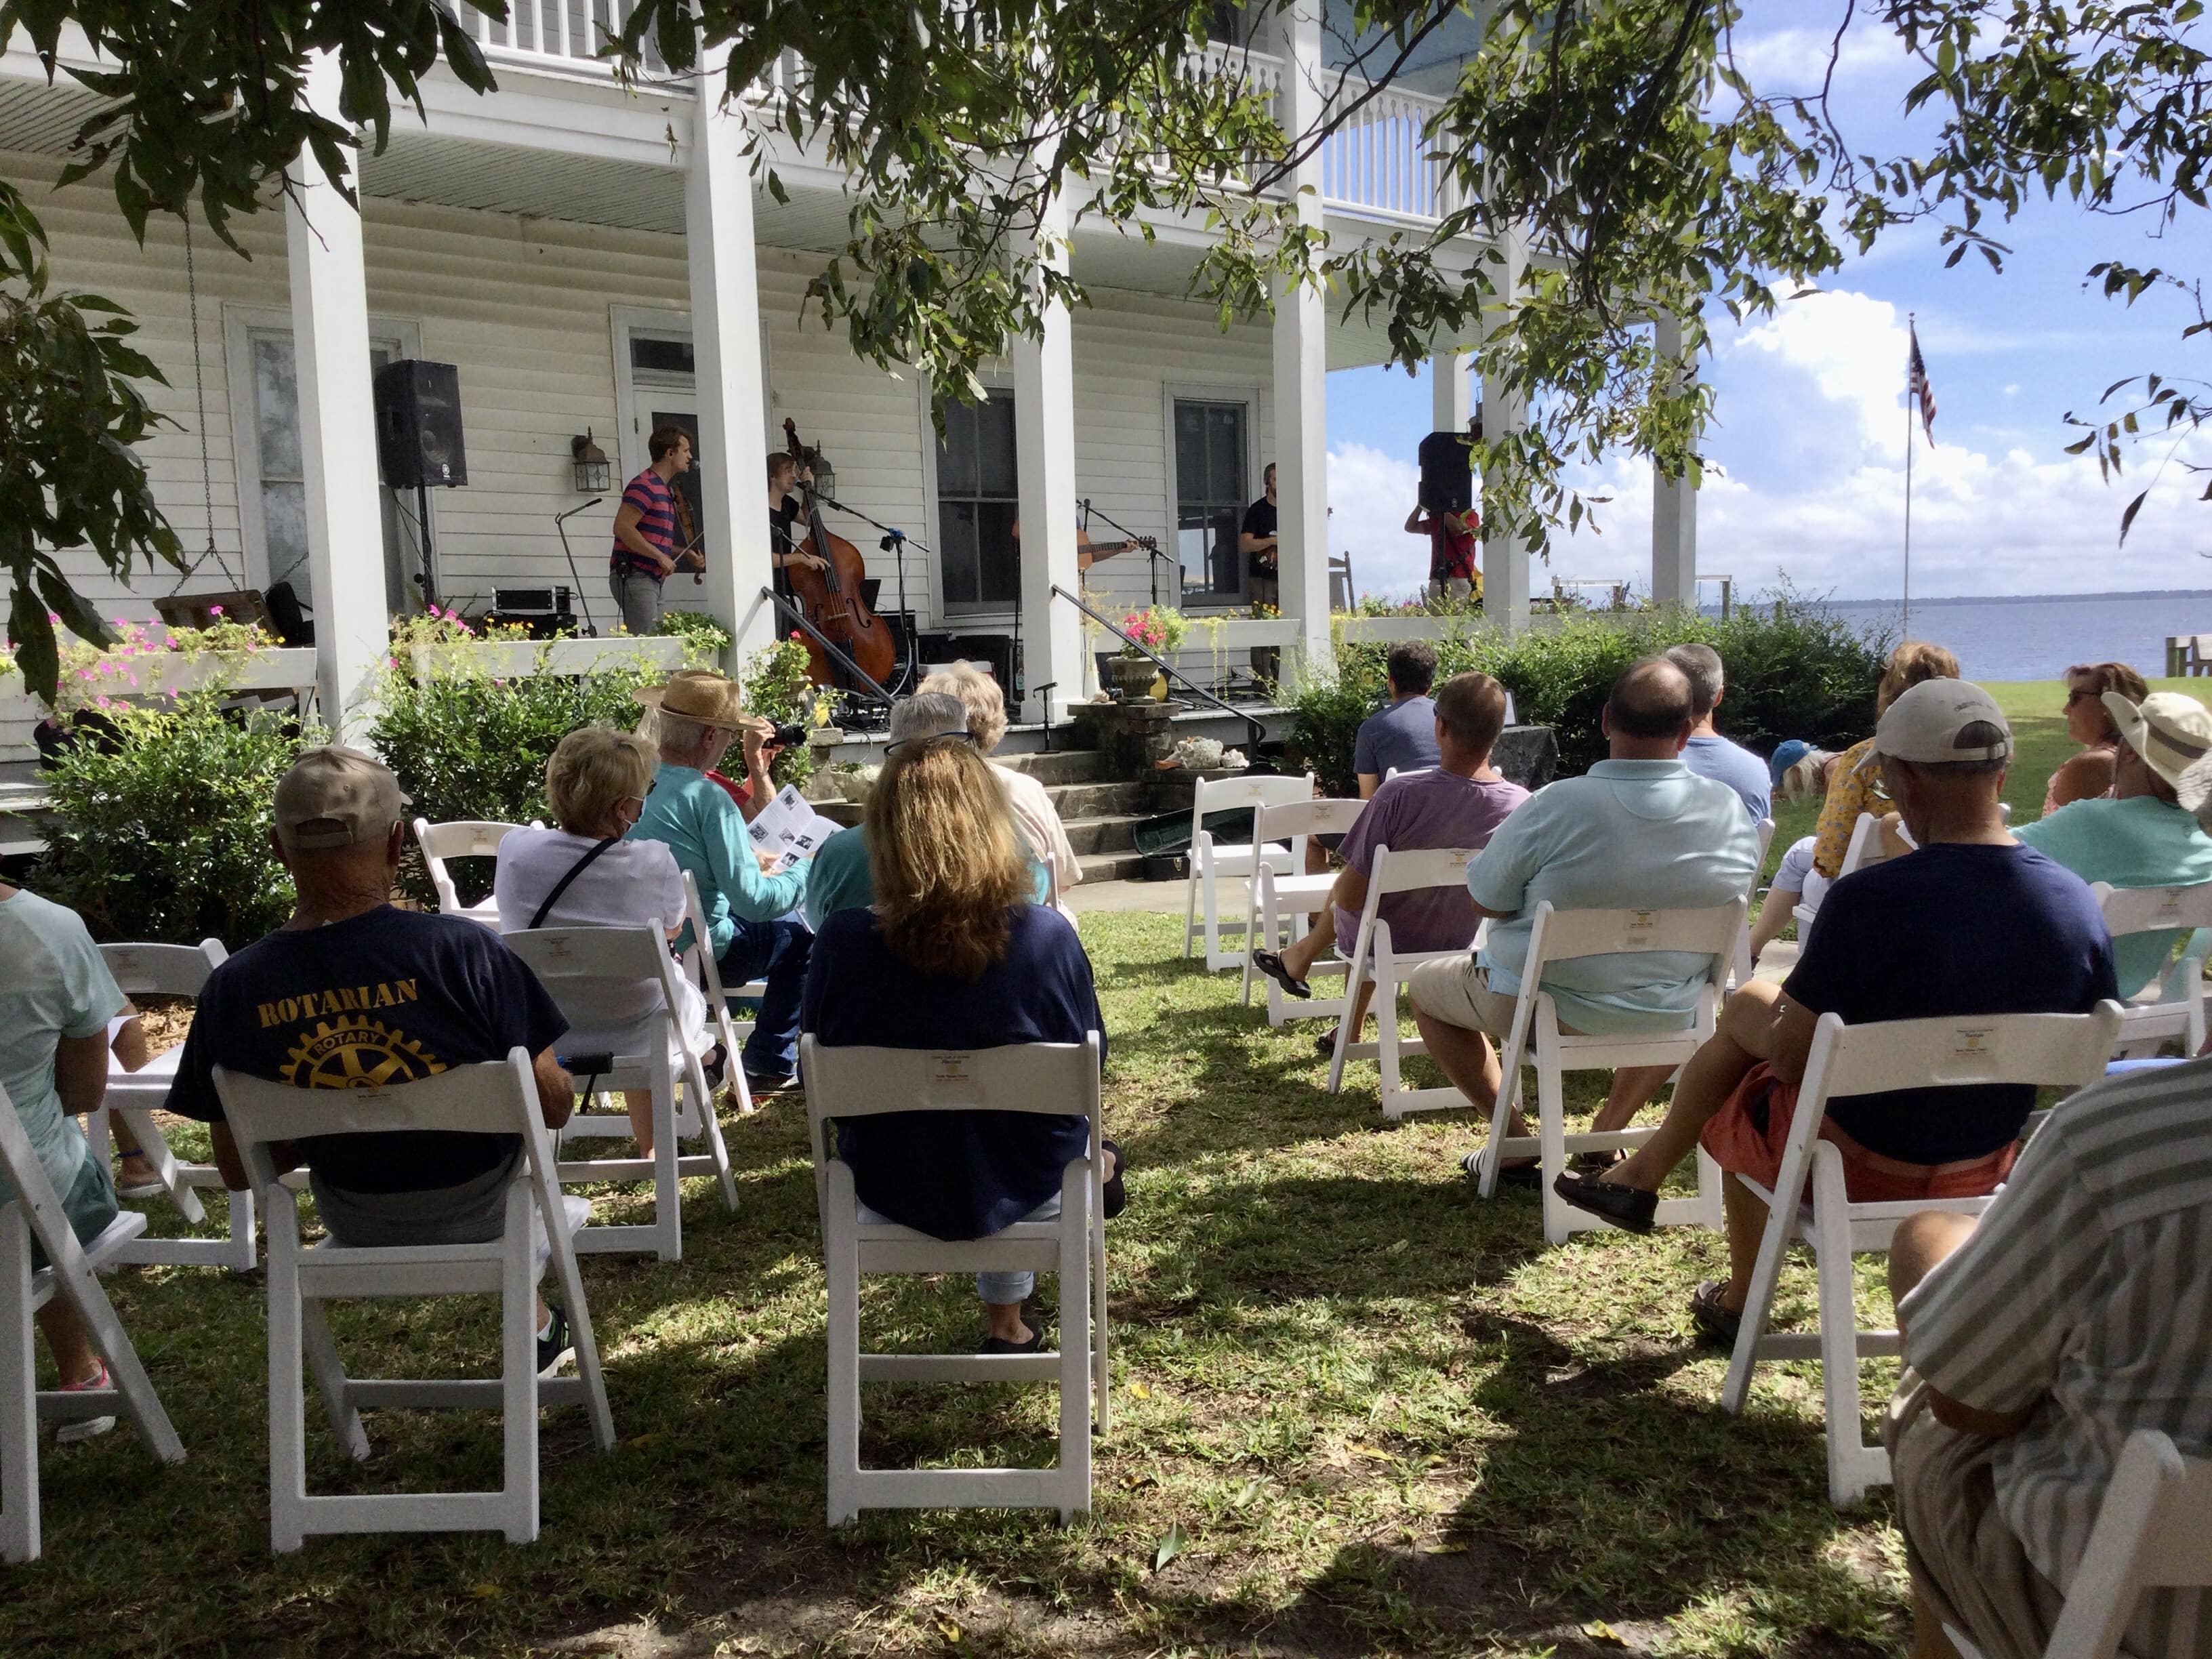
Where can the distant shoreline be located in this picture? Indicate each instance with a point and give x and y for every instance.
(2023, 598)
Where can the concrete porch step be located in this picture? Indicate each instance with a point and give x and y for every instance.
(1083, 800)
(1110, 833)
(1061, 766)
(1111, 867)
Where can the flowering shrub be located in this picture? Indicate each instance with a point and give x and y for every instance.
(93, 677)
(708, 637)
(1157, 628)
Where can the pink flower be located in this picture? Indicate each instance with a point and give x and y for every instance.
(215, 610)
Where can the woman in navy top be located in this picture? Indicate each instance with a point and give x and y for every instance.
(951, 954)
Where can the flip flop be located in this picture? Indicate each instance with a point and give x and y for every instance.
(1271, 965)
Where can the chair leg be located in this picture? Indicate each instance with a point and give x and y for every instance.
(242, 1252)
(1189, 904)
(1251, 915)
(329, 1372)
(1848, 1458)
(1076, 1352)
(1101, 1354)
(1552, 1141)
(19, 1404)
(519, 1369)
(667, 1186)
(842, 1264)
(710, 1122)
(1385, 1005)
(287, 1397)
(1759, 1305)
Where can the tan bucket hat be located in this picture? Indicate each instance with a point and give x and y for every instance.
(696, 693)
(2171, 731)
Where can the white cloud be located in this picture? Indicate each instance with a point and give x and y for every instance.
(1795, 60)
(1370, 494)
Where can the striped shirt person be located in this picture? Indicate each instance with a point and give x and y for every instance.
(645, 546)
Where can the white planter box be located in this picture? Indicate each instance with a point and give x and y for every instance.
(1390, 631)
(516, 660)
(152, 673)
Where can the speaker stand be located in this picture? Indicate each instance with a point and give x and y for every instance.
(428, 580)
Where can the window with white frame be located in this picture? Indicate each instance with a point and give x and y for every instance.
(978, 498)
(1213, 480)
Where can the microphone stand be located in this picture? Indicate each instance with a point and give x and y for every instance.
(1151, 554)
(561, 524)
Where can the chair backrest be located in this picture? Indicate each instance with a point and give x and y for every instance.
(2150, 1535)
(574, 964)
(1245, 789)
(1417, 867)
(1306, 818)
(1560, 935)
(27, 1177)
(498, 1097)
(2154, 909)
(2068, 1050)
(463, 838)
(1865, 847)
(1765, 841)
(163, 970)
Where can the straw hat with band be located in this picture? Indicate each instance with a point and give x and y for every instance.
(696, 693)
(2171, 731)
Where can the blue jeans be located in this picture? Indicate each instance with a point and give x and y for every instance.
(1001, 1288)
(775, 952)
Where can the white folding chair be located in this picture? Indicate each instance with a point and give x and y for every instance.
(698, 960)
(1278, 903)
(575, 965)
(1865, 849)
(1740, 972)
(170, 971)
(497, 1097)
(463, 838)
(1210, 861)
(1376, 959)
(2150, 1535)
(2172, 1005)
(1060, 1078)
(35, 1212)
(1558, 936)
(2067, 1050)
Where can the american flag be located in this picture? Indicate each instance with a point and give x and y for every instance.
(1917, 388)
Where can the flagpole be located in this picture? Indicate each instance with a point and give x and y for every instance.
(1905, 629)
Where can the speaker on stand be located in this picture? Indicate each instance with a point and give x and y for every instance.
(419, 442)
(1447, 473)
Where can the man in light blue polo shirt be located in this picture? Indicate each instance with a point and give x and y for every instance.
(1708, 753)
(1639, 830)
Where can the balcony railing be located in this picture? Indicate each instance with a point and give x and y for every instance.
(1378, 163)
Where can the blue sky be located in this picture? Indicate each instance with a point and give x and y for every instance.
(1811, 418)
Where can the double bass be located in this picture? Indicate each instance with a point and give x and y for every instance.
(833, 599)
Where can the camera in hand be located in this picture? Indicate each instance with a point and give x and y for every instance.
(788, 736)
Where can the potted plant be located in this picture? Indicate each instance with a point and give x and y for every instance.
(1158, 628)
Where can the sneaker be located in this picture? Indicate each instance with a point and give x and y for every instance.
(554, 1346)
(768, 1083)
(85, 1428)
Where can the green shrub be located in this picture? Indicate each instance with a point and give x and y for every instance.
(1795, 670)
(163, 833)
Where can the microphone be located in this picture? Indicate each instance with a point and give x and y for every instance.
(563, 518)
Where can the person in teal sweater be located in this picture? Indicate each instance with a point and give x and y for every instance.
(2139, 835)
(750, 924)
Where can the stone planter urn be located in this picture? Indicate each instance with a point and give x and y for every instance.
(1134, 678)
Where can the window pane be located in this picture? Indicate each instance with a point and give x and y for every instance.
(956, 547)
(1190, 453)
(284, 526)
(276, 406)
(1000, 565)
(956, 452)
(661, 356)
(994, 447)
(1225, 447)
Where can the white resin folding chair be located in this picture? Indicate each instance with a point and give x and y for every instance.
(2066, 1049)
(1867, 849)
(497, 1097)
(2150, 1535)
(1376, 960)
(1210, 861)
(698, 961)
(1560, 936)
(1060, 1078)
(35, 1212)
(575, 965)
(2172, 1005)
(1741, 970)
(171, 970)
(1278, 903)
(463, 838)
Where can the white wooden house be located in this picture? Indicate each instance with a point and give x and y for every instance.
(593, 259)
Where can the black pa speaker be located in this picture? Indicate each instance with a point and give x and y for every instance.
(418, 425)
(1447, 473)
(995, 649)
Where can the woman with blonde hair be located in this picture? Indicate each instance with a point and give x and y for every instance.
(1034, 812)
(2088, 772)
(1855, 784)
(585, 874)
(951, 954)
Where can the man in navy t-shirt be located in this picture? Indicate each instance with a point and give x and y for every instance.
(1402, 736)
(1970, 923)
(352, 993)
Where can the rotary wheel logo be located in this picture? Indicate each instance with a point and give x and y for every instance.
(356, 1053)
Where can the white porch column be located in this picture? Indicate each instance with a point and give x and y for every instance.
(338, 430)
(1045, 457)
(1302, 367)
(718, 235)
(1448, 391)
(1505, 559)
(1673, 501)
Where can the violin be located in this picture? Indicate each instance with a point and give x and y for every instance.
(832, 597)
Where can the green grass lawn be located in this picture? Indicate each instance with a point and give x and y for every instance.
(1384, 1418)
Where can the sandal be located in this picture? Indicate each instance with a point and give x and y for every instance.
(1271, 965)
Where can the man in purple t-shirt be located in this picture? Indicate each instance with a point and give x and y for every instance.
(1460, 804)
(646, 548)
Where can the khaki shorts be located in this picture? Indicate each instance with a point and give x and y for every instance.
(1455, 990)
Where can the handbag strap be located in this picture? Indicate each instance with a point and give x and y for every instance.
(562, 886)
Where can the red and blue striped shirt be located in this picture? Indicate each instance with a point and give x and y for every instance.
(655, 503)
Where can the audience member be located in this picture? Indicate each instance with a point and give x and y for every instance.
(1035, 815)
(1972, 923)
(1854, 782)
(1460, 802)
(1639, 830)
(55, 999)
(1708, 753)
(1795, 882)
(584, 874)
(2139, 835)
(951, 957)
(840, 880)
(352, 993)
(1402, 735)
(2087, 773)
(2074, 1313)
(750, 925)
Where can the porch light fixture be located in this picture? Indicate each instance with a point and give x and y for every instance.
(825, 476)
(594, 476)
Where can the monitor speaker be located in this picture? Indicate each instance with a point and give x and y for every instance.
(1447, 473)
(418, 425)
(996, 650)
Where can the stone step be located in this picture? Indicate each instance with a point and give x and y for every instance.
(1112, 866)
(1113, 833)
(1084, 800)
(1060, 766)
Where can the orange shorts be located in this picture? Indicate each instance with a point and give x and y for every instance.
(1747, 1135)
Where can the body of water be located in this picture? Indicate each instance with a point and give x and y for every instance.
(2036, 636)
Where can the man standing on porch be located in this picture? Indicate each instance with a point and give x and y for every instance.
(644, 532)
(1257, 541)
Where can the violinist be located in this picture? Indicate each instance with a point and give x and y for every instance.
(645, 551)
(786, 523)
